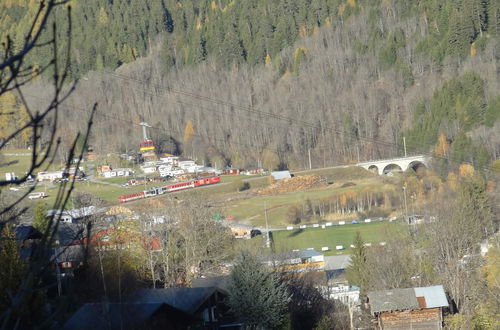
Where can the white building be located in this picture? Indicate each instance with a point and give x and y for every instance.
(148, 170)
(118, 172)
(49, 176)
(346, 294)
(185, 163)
(169, 159)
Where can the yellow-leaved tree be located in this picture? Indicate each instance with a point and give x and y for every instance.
(466, 170)
(188, 131)
(8, 111)
(442, 146)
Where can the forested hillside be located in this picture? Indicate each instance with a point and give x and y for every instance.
(265, 81)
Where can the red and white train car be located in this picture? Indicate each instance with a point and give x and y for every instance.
(170, 188)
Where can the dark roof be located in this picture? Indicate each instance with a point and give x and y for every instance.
(128, 315)
(24, 232)
(72, 253)
(185, 299)
(219, 282)
(68, 233)
(407, 299)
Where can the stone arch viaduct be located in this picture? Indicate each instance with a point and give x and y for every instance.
(386, 166)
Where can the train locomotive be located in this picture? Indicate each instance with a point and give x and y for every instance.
(155, 191)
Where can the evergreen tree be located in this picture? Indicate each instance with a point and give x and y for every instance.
(40, 220)
(357, 273)
(256, 295)
(12, 268)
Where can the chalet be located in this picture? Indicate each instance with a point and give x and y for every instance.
(412, 308)
(231, 171)
(107, 316)
(103, 168)
(171, 308)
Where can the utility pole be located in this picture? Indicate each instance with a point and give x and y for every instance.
(406, 206)
(310, 164)
(404, 144)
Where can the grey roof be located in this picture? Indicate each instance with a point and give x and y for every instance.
(131, 315)
(219, 282)
(185, 299)
(434, 296)
(391, 300)
(278, 175)
(337, 262)
(407, 299)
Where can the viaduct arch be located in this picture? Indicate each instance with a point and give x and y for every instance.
(386, 166)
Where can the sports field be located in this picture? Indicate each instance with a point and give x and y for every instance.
(375, 232)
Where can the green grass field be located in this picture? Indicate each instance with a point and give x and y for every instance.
(252, 209)
(287, 240)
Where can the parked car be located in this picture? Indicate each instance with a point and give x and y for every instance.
(354, 221)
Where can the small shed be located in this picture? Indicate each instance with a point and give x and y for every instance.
(411, 308)
(279, 175)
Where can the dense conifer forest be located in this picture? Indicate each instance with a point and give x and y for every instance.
(267, 81)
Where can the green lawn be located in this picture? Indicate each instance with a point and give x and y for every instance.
(317, 238)
(252, 209)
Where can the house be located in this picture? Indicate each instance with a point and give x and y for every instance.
(68, 258)
(50, 175)
(117, 172)
(141, 180)
(148, 169)
(297, 261)
(205, 305)
(279, 175)
(231, 171)
(344, 293)
(103, 168)
(185, 163)
(254, 171)
(111, 316)
(335, 267)
(169, 159)
(412, 308)
(71, 216)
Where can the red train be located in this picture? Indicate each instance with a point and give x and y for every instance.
(166, 189)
